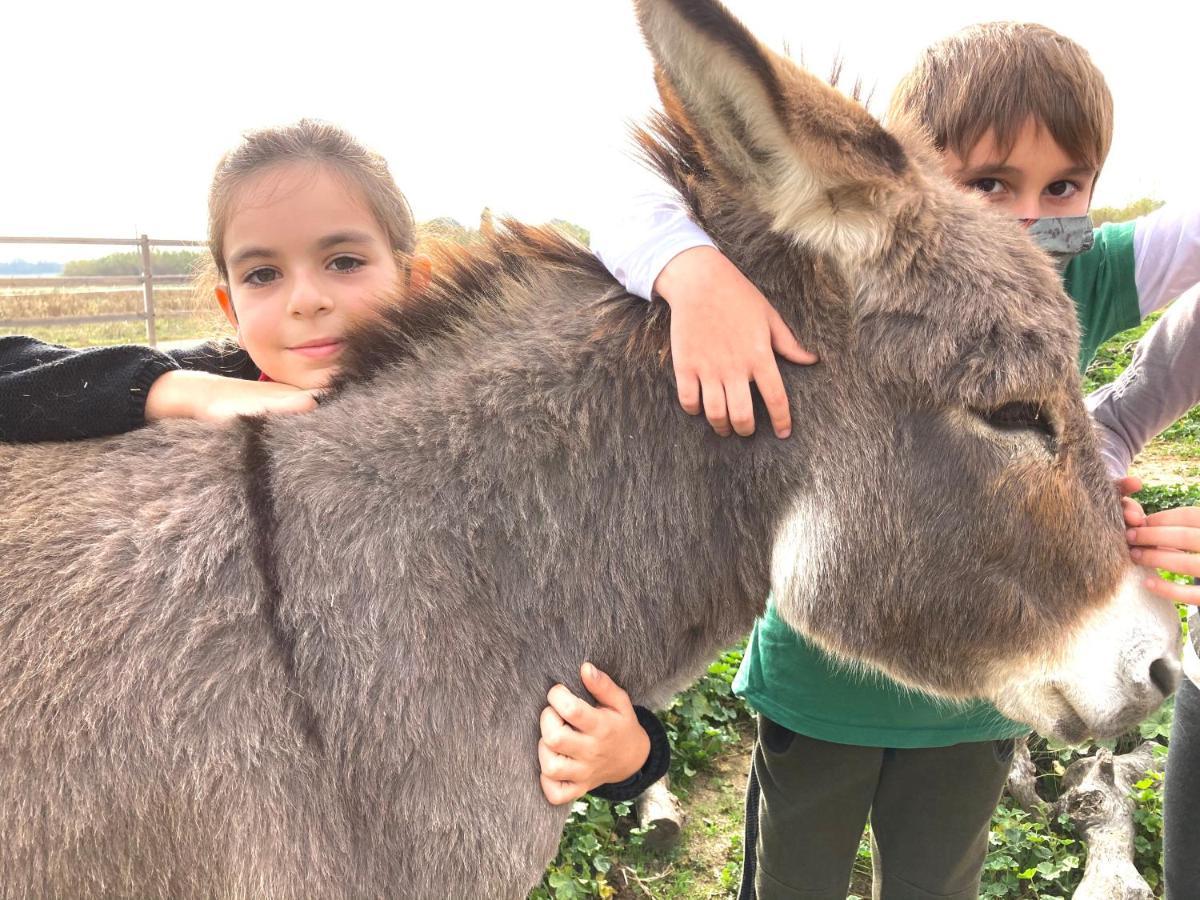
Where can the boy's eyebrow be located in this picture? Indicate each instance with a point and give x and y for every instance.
(985, 170)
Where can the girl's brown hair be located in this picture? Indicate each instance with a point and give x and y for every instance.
(997, 76)
(308, 141)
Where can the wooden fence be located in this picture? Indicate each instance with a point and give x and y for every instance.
(147, 280)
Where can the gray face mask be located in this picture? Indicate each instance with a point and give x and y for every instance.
(1063, 238)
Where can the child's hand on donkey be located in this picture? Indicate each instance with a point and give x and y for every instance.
(724, 335)
(585, 746)
(181, 394)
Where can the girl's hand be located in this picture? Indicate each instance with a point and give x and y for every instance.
(182, 394)
(585, 746)
(724, 335)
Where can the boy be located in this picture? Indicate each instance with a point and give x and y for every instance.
(1021, 115)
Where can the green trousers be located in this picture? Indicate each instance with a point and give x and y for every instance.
(929, 808)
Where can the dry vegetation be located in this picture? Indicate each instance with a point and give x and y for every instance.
(184, 312)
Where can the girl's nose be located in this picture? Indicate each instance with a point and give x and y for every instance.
(307, 297)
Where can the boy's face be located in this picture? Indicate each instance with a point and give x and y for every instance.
(1035, 180)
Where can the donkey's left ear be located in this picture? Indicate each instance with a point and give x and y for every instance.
(817, 163)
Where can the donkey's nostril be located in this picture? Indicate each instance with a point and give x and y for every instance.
(1164, 676)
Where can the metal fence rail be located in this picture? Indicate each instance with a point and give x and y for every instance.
(147, 280)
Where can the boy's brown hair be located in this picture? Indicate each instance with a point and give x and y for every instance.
(995, 77)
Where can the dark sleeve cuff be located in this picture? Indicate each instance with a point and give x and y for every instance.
(654, 768)
(139, 389)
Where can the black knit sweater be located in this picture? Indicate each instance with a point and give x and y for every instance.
(52, 393)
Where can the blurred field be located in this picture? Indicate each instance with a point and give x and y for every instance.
(184, 313)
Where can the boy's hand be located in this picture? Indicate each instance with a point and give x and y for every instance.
(182, 394)
(1163, 540)
(724, 335)
(585, 746)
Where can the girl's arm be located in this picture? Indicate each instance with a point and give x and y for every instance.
(724, 332)
(614, 749)
(52, 393)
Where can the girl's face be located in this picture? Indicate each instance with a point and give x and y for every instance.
(306, 259)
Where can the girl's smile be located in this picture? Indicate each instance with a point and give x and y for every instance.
(319, 348)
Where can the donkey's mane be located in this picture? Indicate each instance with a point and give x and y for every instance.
(466, 281)
(471, 282)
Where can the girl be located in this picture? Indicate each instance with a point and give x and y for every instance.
(308, 233)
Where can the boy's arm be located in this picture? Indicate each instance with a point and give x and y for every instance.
(1161, 384)
(1166, 248)
(724, 332)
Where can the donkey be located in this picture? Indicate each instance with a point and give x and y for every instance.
(303, 657)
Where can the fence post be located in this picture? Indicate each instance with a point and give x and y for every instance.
(148, 291)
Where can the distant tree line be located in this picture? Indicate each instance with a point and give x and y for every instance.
(165, 262)
(444, 228)
(1102, 214)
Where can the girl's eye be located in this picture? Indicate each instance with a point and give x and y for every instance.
(1062, 189)
(261, 276)
(345, 264)
(987, 185)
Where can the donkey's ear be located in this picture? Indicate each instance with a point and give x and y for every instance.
(815, 162)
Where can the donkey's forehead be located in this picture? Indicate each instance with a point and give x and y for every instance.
(965, 302)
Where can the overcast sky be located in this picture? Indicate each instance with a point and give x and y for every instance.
(115, 113)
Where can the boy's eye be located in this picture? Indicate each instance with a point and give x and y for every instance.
(261, 276)
(1062, 189)
(987, 185)
(345, 264)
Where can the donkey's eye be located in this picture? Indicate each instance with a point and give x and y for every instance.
(1019, 415)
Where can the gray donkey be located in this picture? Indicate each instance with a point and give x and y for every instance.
(304, 657)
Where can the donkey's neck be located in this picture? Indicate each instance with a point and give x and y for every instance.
(546, 487)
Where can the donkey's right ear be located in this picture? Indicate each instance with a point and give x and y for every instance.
(815, 162)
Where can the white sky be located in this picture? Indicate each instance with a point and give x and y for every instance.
(115, 113)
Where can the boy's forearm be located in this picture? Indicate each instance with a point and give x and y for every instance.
(1160, 385)
(651, 230)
